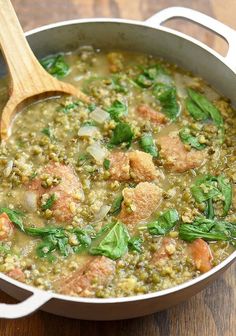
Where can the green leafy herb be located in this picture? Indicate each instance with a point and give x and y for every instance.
(118, 84)
(106, 164)
(15, 217)
(122, 133)
(194, 110)
(135, 244)
(188, 139)
(55, 65)
(226, 190)
(116, 205)
(206, 107)
(91, 107)
(208, 229)
(111, 241)
(57, 238)
(147, 144)
(167, 96)
(49, 203)
(4, 249)
(208, 188)
(48, 132)
(150, 76)
(117, 110)
(164, 223)
(69, 107)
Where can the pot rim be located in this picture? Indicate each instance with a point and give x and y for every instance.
(51, 295)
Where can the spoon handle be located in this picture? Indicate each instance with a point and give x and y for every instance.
(21, 61)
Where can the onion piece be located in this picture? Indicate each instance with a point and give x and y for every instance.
(87, 131)
(8, 169)
(103, 211)
(97, 151)
(99, 115)
(164, 79)
(180, 85)
(30, 201)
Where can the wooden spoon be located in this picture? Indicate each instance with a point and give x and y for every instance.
(28, 79)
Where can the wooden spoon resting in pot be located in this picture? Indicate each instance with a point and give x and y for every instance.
(28, 79)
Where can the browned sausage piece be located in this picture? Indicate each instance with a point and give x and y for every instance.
(142, 167)
(201, 254)
(17, 274)
(82, 282)
(167, 248)
(6, 227)
(119, 166)
(139, 203)
(146, 112)
(176, 157)
(67, 191)
(136, 165)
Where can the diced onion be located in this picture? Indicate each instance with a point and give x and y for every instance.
(99, 115)
(180, 86)
(162, 78)
(8, 169)
(102, 213)
(30, 201)
(97, 151)
(87, 131)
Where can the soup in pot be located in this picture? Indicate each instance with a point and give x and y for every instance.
(129, 194)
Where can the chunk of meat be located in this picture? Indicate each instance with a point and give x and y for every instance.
(134, 165)
(6, 227)
(146, 112)
(176, 157)
(201, 254)
(119, 166)
(68, 191)
(97, 271)
(139, 203)
(167, 248)
(142, 167)
(17, 274)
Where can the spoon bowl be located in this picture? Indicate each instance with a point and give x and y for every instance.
(29, 81)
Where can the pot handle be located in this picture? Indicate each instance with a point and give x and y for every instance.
(204, 20)
(24, 308)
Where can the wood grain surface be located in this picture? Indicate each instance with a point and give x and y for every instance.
(210, 313)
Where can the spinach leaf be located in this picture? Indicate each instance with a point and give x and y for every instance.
(189, 139)
(135, 244)
(194, 110)
(164, 223)
(150, 75)
(208, 229)
(207, 107)
(118, 84)
(69, 107)
(226, 190)
(167, 96)
(116, 205)
(57, 238)
(15, 217)
(122, 133)
(49, 203)
(207, 188)
(147, 144)
(55, 65)
(48, 132)
(106, 164)
(111, 241)
(117, 110)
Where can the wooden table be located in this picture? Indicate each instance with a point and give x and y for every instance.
(211, 312)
